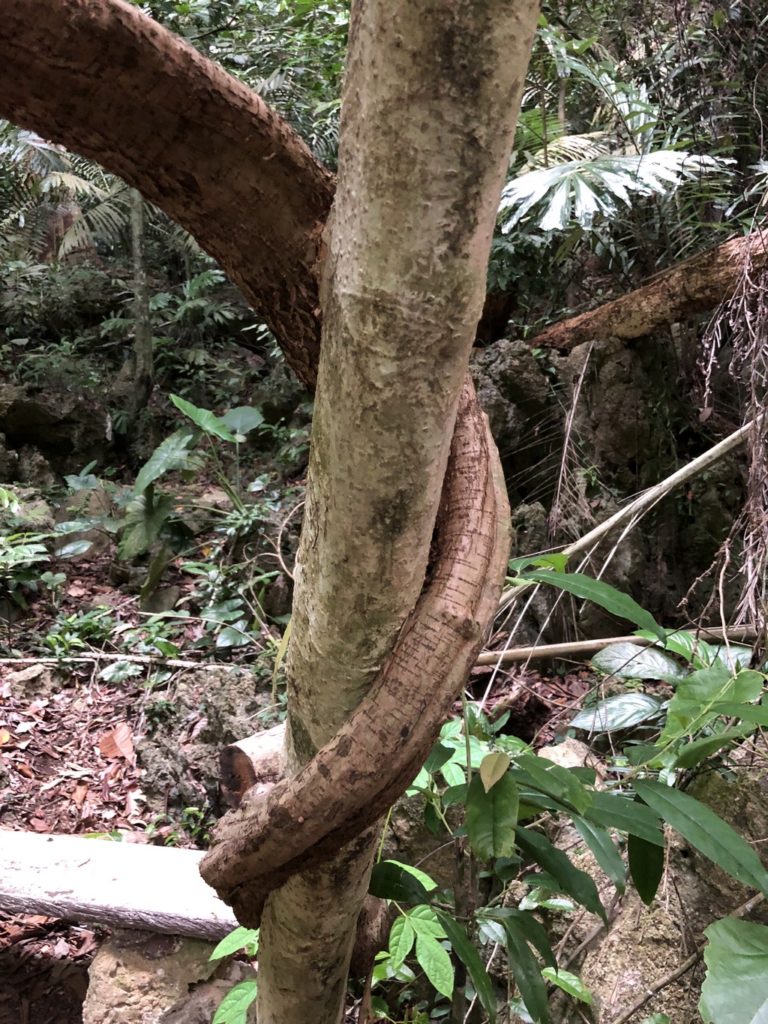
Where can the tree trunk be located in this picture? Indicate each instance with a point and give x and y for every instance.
(143, 362)
(430, 103)
(694, 286)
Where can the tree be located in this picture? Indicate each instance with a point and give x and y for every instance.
(384, 633)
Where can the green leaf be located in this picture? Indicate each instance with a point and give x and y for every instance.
(204, 419)
(756, 713)
(469, 956)
(424, 922)
(493, 767)
(527, 973)
(421, 876)
(172, 453)
(491, 817)
(233, 1008)
(735, 990)
(706, 831)
(74, 548)
(604, 851)
(622, 711)
(534, 932)
(554, 560)
(626, 660)
(119, 671)
(435, 961)
(646, 866)
(570, 879)
(401, 940)
(238, 938)
(612, 810)
(694, 753)
(600, 593)
(243, 419)
(391, 881)
(570, 983)
(548, 777)
(695, 702)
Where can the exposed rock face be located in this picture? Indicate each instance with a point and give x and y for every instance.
(67, 429)
(143, 978)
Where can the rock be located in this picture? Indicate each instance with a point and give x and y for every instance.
(8, 462)
(89, 503)
(143, 978)
(31, 682)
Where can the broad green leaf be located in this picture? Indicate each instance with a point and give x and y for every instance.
(453, 773)
(435, 961)
(706, 831)
(243, 419)
(421, 876)
(561, 783)
(424, 921)
(173, 453)
(694, 753)
(622, 711)
(570, 983)
(694, 703)
(237, 939)
(604, 851)
(600, 593)
(735, 990)
(233, 1008)
(469, 956)
(570, 879)
(391, 881)
(756, 713)
(438, 756)
(626, 660)
(646, 866)
(534, 932)
(679, 641)
(493, 767)
(491, 817)
(74, 548)
(527, 973)
(207, 421)
(119, 671)
(733, 656)
(401, 940)
(612, 810)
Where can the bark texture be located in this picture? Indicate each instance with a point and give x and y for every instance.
(694, 286)
(430, 105)
(100, 77)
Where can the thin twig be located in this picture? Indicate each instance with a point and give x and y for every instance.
(142, 659)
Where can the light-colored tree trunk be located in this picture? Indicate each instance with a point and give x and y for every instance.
(430, 103)
(143, 362)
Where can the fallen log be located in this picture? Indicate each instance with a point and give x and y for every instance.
(123, 885)
(694, 286)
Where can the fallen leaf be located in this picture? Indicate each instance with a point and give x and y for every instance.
(118, 742)
(76, 589)
(5, 738)
(79, 795)
(39, 824)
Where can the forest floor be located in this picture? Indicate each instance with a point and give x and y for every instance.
(68, 765)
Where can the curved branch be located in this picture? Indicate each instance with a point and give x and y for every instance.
(352, 780)
(103, 79)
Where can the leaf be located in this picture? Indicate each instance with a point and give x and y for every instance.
(604, 851)
(73, 548)
(693, 753)
(243, 419)
(626, 660)
(172, 453)
(438, 756)
(435, 961)
(119, 671)
(756, 713)
(118, 742)
(612, 810)
(421, 876)
(207, 421)
(570, 983)
(527, 973)
(646, 866)
(695, 702)
(233, 1008)
(401, 940)
(735, 990)
(469, 956)
(600, 593)
(548, 777)
(622, 711)
(491, 817)
(238, 938)
(493, 767)
(534, 932)
(391, 881)
(706, 831)
(570, 879)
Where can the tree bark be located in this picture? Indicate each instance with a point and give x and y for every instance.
(692, 287)
(430, 105)
(100, 77)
